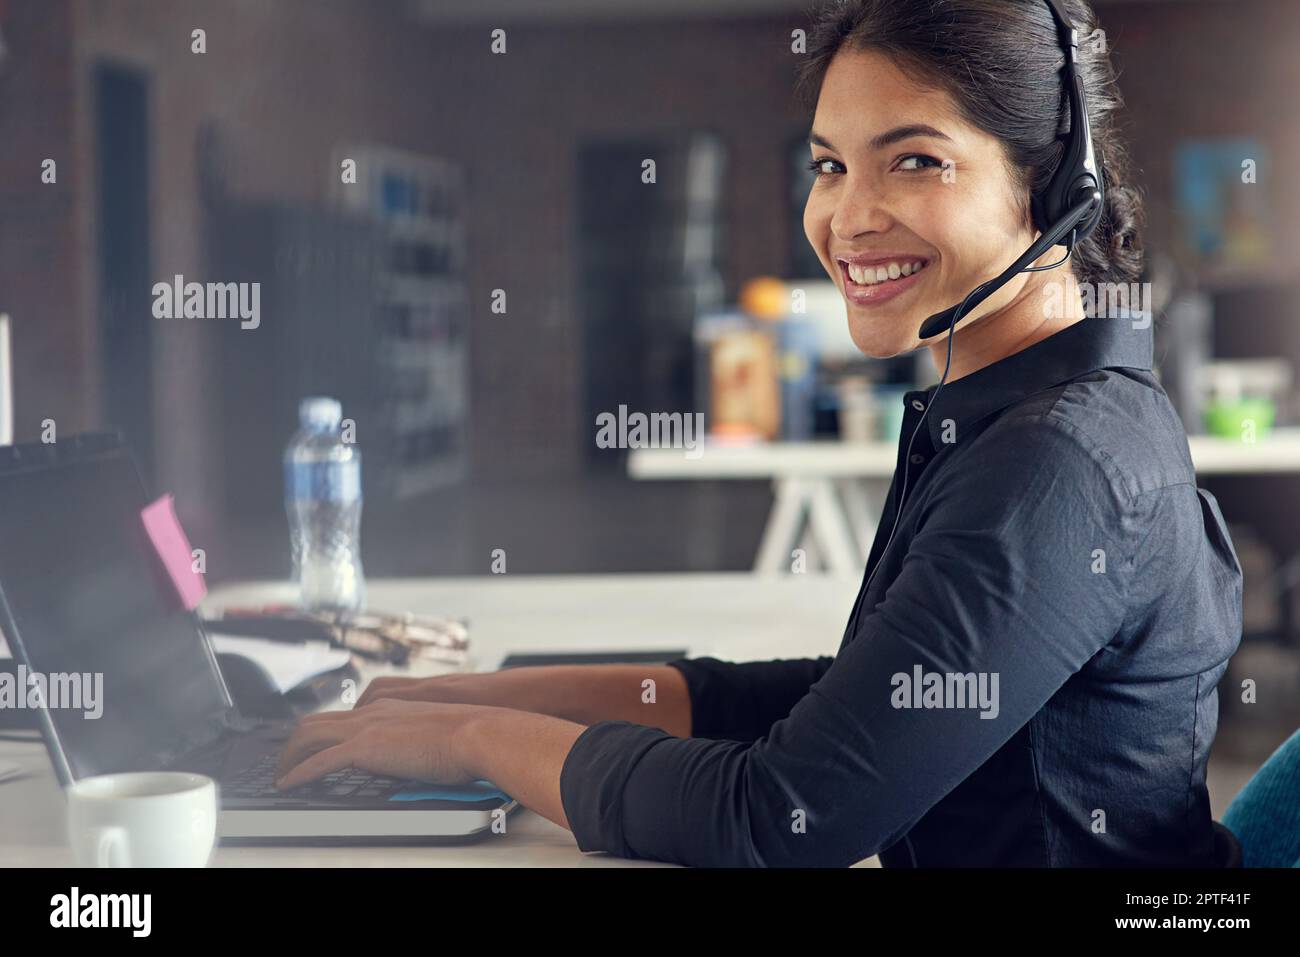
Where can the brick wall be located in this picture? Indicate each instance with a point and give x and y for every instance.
(282, 83)
(55, 375)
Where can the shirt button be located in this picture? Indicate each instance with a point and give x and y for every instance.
(917, 458)
(918, 405)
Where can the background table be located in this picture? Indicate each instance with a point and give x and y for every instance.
(828, 495)
(731, 616)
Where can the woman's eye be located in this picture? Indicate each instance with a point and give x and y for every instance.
(919, 161)
(819, 167)
(912, 163)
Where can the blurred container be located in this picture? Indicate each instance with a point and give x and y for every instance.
(1233, 420)
(737, 381)
(798, 371)
(765, 297)
(1242, 396)
(746, 393)
(322, 491)
(858, 410)
(889, 398)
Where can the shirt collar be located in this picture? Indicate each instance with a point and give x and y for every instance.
(1093, 343)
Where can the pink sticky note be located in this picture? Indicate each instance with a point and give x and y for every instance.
(164, 530)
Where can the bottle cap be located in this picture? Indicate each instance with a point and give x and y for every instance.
(320, 412)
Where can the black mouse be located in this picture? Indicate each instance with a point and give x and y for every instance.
(252, 688)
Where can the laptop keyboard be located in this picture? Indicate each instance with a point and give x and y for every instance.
(348, 784)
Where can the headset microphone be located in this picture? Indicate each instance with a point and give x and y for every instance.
(1071, 202)
(944, 320)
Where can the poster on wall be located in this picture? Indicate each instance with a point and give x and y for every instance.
(1222, 205)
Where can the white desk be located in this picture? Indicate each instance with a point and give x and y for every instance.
(729, 616)
(828, 495)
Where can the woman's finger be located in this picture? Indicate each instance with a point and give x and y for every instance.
(406, 691)
(317, 765)
(387, 694)
(310, 738)
(324, 717)
(386, 686)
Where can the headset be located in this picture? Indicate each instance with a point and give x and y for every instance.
(1068, 208)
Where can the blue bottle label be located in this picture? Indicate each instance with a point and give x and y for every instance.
(323, 481)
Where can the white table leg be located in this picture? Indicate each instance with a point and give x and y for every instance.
(834, 533)
(812, 553)
(860, 508)
(781, 534)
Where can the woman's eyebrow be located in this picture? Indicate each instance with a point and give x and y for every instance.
(896, 135)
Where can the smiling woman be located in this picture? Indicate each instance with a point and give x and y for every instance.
(1028, 674)
(929, 140)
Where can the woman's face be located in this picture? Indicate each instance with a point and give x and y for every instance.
(941, 197)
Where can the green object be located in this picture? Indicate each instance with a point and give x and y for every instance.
(890, 405)
(1232, 420)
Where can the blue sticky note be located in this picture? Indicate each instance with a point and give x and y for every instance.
(478, 791)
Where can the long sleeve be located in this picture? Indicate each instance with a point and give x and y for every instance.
(999, 596)
(741, 701)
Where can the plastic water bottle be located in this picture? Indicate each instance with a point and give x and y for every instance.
(322, 494)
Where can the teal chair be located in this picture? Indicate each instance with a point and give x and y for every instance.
(1265, 816)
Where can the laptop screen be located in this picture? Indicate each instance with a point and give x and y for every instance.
(131, 680)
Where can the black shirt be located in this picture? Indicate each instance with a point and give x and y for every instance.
(1029, 680)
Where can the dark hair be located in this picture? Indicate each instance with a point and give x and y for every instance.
(1000, 61)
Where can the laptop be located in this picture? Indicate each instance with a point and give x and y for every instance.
(82, 592)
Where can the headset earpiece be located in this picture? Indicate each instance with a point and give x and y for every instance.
(1077, 174)
(1066, 210)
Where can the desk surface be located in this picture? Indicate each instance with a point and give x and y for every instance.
(1279, 451)
(731, 616)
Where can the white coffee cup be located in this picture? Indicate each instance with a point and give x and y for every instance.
(143, 819)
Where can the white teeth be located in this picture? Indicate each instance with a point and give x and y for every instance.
(870, 275)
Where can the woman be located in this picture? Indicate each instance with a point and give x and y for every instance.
(1028, 675)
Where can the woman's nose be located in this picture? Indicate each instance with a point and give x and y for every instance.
(859, 211)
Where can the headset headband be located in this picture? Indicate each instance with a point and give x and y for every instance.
(1077, 174)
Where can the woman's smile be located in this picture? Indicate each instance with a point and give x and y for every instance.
(878, 281)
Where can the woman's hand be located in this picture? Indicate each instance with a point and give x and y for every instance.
(521, 753)
(446, 689)
(654, 695)
(402, 739)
